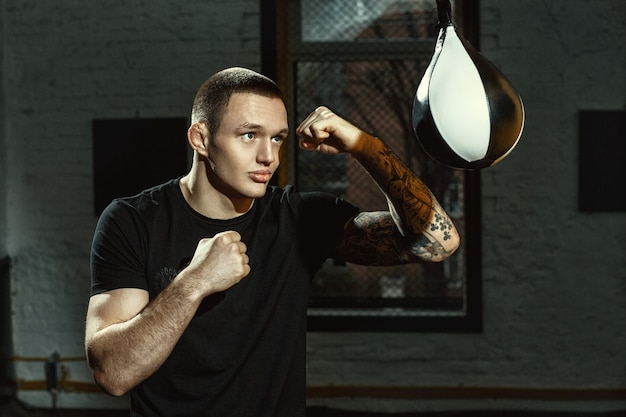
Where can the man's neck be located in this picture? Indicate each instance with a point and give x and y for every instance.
(204, 198)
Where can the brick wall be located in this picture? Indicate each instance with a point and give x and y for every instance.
(66, 63)
(3, 153)
(553, 277)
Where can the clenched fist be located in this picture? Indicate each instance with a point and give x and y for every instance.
(219, 262)
(324, 131)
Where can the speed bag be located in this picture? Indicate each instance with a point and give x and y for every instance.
(466, 114)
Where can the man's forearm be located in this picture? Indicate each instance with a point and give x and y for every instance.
(413, 206)
(124, 354)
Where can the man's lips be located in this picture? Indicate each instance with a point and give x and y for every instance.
(260, 176)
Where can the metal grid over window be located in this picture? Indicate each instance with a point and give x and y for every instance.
(364, 60)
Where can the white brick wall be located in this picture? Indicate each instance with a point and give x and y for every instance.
(553, 277)
(66, 63)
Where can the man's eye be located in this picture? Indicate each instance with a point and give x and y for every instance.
(278, 139)
(248, 136)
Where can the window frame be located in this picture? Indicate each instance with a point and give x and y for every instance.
(278, 61)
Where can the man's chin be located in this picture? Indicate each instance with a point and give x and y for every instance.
(257, 191)
(260, 192)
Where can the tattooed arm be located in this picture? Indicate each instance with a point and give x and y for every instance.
(415, 229)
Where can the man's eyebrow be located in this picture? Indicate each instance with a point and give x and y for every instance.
(258, 127)
(250, 126)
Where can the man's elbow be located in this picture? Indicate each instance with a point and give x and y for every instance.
(437, 250)
(446, 245)
(451, 245)
(115, 387)
(111, 382)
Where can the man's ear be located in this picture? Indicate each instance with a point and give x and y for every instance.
(197, 136)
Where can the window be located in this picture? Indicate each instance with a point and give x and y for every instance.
(364, 60)
(130, 155)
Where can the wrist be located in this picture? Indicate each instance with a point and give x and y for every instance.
(367, 146)
(189, 288)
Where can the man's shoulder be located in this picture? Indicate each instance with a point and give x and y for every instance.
(290, 193)
(287, 196)
(144, 202)
(307, 200)
(150, 196)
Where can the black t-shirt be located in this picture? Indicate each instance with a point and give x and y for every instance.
(243, 354)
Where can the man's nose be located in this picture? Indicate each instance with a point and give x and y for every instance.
(265, 152)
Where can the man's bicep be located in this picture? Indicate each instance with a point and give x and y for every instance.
(372, 238)
(116, 306)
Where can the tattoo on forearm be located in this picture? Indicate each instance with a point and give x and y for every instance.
(403, 189)
(415, 227)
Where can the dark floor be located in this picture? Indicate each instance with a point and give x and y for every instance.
(12, 408)
(322, 412)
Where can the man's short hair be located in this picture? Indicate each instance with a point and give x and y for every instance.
(214, 94)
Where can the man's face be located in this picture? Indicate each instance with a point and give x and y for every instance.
(244, 153)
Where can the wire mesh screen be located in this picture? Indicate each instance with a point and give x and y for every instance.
(364, 59)
(350, 21)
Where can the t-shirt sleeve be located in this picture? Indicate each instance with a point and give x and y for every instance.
(324, 219)
(118, 250)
